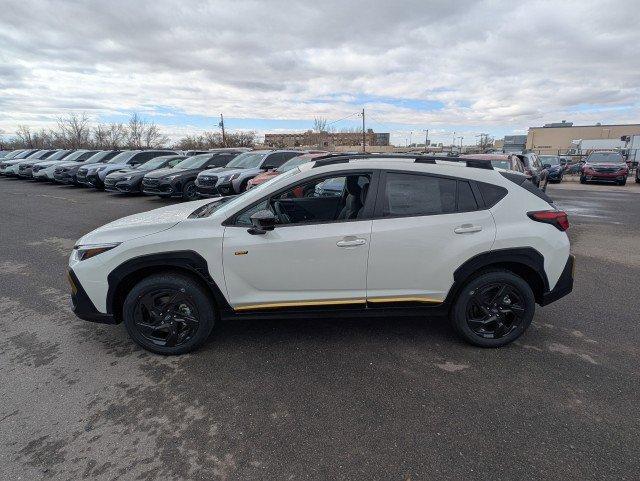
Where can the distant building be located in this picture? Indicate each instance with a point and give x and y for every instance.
(325, 140)
(559, 137)
(514, 143)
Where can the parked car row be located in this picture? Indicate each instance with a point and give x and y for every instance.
(165, 173)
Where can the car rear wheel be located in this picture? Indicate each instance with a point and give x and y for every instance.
(168, 314)
(493, 309)
(189, 191)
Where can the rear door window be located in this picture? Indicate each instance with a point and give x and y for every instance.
(417, 195)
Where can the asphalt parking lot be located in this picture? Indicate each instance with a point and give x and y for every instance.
(392, 399)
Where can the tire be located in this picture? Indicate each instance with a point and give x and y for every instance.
(189, 191)
(637, 180)
(583, 179)
(475, 325)
(243, 186)
(623, 181)
(177, 304)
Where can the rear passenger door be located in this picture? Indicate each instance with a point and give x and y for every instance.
(424, 228)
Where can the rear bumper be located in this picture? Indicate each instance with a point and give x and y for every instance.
(563, 287)
(82, 305)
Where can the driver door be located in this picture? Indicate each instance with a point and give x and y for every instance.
(315, 256)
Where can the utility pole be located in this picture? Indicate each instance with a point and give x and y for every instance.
(364, 142)
(426, 140)
(453, 141)
(224, 136)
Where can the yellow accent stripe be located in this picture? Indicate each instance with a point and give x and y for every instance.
(276, 305)
(425, 299)
(330, 302)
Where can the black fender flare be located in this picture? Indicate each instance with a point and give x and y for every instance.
(527, 257)
(186, 260)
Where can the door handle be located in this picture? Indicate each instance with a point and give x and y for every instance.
(467, 229)
(351, 242)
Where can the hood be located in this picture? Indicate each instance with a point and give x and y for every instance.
(230, 171)
(142, 224)
(269, 174)
(125, 172)
(608, 165)
(46, 163)
(215, 170)
(158, 174)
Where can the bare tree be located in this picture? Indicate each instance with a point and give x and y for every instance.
(136, 131)
(485, 142)
(319, 124)
(75, 129)
(152, 138)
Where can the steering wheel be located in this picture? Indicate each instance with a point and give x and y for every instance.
(283, 218)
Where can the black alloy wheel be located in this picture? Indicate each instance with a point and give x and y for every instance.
(189, 191)
(493, 309)
(166, 317)
(169, 313)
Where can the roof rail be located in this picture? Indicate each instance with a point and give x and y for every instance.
(339, 158)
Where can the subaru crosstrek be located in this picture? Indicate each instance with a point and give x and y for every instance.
(407, 236)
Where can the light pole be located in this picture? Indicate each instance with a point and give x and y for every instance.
(426, 139)
(410, 137)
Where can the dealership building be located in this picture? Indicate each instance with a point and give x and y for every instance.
(325, 140)
(562, 136)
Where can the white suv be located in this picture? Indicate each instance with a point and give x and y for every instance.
(343, 235)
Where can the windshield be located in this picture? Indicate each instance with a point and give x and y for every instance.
(295, 162)
(194, 162)
(123, 157)
(549, 159)
(257, 191)
(155, 163)
(75, 155)
(97, 157)
(58, 155)
(247, 160)
(613, 157)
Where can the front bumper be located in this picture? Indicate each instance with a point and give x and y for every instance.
(82, 305)
(64, 177)
(606, 176)
(206, 190)
(555, 175)
(564, 286)
(25, 173)
(124, 186)
(159, 188)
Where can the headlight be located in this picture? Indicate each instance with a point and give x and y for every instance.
(173, 177)
(81, 253)
(126, 177)
(100, 169)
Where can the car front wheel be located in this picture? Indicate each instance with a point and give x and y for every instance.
(189, 191)
(493, 309)
(168, 314)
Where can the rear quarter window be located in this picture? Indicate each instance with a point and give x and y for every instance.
(526, 184)
(491, 194)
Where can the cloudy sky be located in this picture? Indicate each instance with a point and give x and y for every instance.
(465, 66)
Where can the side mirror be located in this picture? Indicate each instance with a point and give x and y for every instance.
(263, 221)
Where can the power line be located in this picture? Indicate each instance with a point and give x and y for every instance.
(344, 118)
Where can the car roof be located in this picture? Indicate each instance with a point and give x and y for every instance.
(464, 168)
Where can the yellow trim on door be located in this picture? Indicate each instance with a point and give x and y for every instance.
(425, 299)
(276, 305)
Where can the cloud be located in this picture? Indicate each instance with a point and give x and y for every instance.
(497, 66)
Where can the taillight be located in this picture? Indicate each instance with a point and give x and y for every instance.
(556, 218)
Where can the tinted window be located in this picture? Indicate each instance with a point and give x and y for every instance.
(220, 160)
(410, 194)
(273, 161)
(492, 194)
(466, 199)
(319, 200)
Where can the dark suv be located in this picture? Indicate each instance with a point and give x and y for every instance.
(179, 181)
(534, 170)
